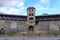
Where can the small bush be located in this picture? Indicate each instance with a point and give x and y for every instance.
(11, 34)
(23, 34)
(56, 34)
(39, 34)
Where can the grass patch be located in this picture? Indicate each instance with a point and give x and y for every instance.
(53, 34)
(8, 34)
(39, 34)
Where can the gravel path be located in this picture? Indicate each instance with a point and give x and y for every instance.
(29, 38)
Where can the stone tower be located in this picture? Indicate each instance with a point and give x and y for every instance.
(31, 18)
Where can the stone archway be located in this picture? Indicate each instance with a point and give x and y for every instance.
(1, 31)
(30, 28)
(1, 28)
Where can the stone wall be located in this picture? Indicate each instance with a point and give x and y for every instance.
(7, 26)
(42, 26)
(54, 26)
(13, 26)
(48, 26)
(22, 26)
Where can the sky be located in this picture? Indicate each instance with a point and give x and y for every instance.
(18, 7)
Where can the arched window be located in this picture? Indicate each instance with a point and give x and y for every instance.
(30, 14)
(31, 18)
(29, 9)
(32, 9)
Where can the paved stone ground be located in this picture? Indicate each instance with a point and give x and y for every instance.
(29, 38)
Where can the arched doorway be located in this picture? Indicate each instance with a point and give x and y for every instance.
(1, 31)
(1, 28)
(30, 28)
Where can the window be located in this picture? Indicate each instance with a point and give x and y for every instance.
(30, 18)
(1, 28)
(30, 14)
(36, 22)
(32, 9)
(29, 10)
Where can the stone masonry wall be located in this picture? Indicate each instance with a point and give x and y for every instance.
(42, 26)
(13, 26)
(48, 26)
(21, 26)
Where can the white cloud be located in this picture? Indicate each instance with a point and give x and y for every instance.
(39, 7)
(44, 8)
(13, 11)
(44, 5)
(21, 4)
(3, 10)
(10, 2)
(10, 11)
(24, 13)
(8, 7)
(45, 1)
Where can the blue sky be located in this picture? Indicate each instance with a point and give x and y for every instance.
(18, 7)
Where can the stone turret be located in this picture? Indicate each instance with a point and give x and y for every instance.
(31, 19)
(31, 15)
